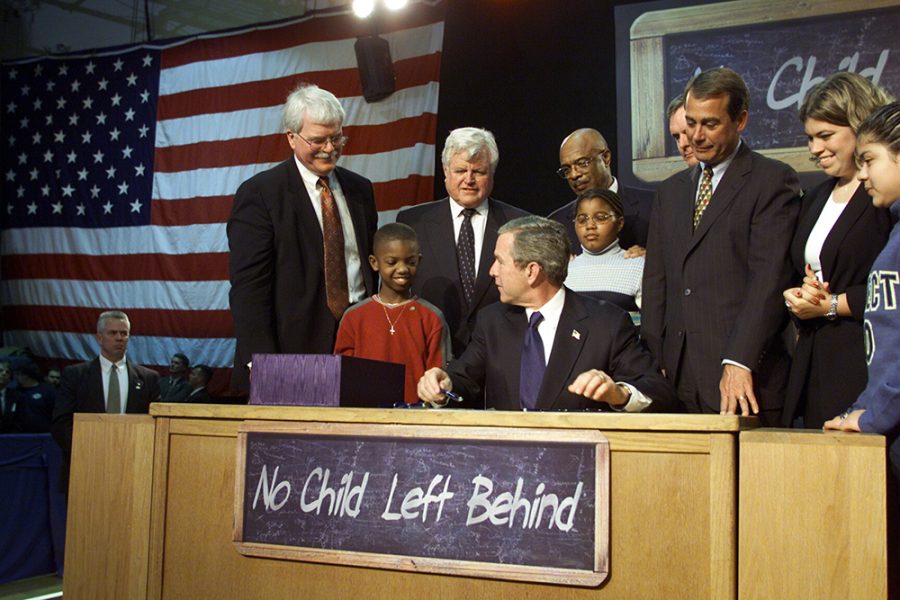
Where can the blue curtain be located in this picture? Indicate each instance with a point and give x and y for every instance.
(32, 509)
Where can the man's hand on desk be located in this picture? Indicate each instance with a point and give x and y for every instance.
(600, 387)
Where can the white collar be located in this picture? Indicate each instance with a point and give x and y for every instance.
(310, 178)
(106, 364)
(456, 208)
(552, 309)
(720, 168)
(612, 248)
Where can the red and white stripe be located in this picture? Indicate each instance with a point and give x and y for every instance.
(218, 123)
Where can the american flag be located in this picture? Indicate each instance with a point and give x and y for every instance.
(119, 169)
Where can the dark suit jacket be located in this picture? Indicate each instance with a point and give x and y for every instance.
(636, 203)
(715, 293)
(33, 408)
(176, 391)
(277, 264)
(201, 397)
(81, 390)
(829, 367)
(591, 335)
(437, 279)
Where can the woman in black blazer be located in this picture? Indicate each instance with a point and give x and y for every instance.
(838, 236)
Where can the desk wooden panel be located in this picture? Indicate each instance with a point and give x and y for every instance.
(673, 508)
(812, 515)
(108, 526)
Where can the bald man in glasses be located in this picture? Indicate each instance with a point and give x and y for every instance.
(584, 162)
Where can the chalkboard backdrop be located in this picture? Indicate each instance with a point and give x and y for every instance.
(781, 48)
(780, 62)
(511, 502)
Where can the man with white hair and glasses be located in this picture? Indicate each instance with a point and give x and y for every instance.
(299, 234)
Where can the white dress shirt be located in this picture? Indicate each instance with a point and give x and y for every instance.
(479, 224)
(829, 216)
(355, 283)
(614, 186)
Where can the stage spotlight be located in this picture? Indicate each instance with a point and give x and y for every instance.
(395, 4)
(363, 8)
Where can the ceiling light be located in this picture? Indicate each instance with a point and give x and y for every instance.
(363, 8)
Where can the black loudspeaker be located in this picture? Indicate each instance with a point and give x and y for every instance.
(376, 69)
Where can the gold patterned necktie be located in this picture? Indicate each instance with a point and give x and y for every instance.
(703, 196)
(336, 289)
(113, 396)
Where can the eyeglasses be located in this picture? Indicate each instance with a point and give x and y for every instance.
(581, 164)
(598, 218)
(337, 141)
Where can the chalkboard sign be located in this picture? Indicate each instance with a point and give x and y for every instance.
(781, 62)
(781, 48)
(521, 504)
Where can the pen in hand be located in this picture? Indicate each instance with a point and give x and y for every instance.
(453, 396)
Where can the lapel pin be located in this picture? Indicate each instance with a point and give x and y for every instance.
(576, 334)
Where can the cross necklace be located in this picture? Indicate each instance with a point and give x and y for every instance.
(387, 316)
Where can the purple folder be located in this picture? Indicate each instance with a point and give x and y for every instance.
(325, 380)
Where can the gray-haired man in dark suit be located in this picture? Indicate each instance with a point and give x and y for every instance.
(110, 383)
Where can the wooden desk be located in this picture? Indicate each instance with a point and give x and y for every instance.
(673, 508)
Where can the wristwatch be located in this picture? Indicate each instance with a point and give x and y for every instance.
(831, 315)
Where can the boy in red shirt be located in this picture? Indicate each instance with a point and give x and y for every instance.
(394, 325)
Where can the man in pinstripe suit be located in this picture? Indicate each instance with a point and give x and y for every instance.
(717, 258)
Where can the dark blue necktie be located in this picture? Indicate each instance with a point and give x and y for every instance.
(465, 255)
(533, 365)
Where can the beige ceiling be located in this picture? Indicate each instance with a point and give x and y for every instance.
(39, 27)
